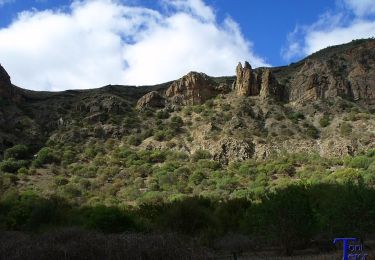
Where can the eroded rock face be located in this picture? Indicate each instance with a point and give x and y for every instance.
(260, 82)
(348, 74)
(270, 88)
(151, 99)
(245, 82)
(192, 89)
(230, 149)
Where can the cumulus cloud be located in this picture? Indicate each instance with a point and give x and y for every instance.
(100, 42)
(355, 21)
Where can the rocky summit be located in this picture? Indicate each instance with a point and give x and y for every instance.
(322, 104)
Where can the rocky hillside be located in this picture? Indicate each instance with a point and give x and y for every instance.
(323, 104)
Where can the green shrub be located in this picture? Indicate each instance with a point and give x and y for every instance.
(19, 152)
(160, 135)
(200, 154)
(189, 216)
(296, 117)
(163, 135)
(324, 121)
(107, 219)
(176, 123)
(197, 177)
(347, 175)
(147, 133)
(134, 140)
(12, 166)
(198, 109)
(312, 132)
(361, 162)
(346, 129)
(45, 156)
(68, 157)
(60, 181)
(286, 216)
(162, 114)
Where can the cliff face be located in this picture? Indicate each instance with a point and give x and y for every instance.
(347, 72)
(192, 89)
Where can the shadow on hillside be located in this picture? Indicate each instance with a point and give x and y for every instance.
(292, 219)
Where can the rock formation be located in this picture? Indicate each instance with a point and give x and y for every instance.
(245, 82)
(230, 149)
(347, 73)
(270, 88)
(256, 82)
(192, 89)
(151, 99)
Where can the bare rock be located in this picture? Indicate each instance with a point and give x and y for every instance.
(151, 99)
(245, 82)
(270, 87)
(347, 74)
(230, 149)
(192, 89)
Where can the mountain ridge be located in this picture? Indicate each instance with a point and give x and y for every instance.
(258, 100)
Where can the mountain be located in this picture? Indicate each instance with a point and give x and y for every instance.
(322, 104)
(268, 161)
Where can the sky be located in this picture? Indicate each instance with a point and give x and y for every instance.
(56, 45)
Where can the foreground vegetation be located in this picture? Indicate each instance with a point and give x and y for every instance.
(289, 201)
(289, 218)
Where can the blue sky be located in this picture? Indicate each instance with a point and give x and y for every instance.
(62, 44)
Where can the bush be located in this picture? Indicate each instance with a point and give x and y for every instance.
(362, 162)
(286, 217)
(176, 123)
(45, 155)
(134, 140)
(324, 121)
(189, 216)
(312, 132)
(107, 219)
(296, 117)
(12, 166)
(19, 152)
(68, 157)
(201, 154)
(197, 177)
(163, 135)
(162, 114)
(346, 129)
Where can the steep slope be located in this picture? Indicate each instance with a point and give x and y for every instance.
(255, 114)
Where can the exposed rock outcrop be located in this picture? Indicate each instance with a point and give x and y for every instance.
(260, 82)
(231, 149)
(347, 73)
(245, 82)
(151, 99)
(270, 88)
(192, 89)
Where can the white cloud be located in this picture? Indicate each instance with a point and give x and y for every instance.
(101, 42)
(332, 29)
(361, 7)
